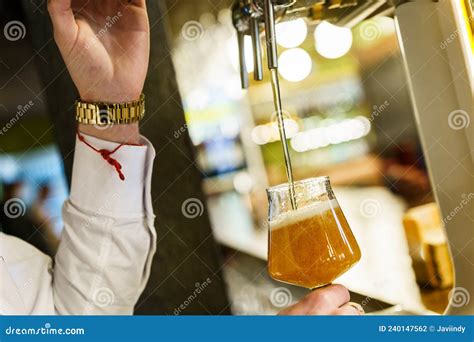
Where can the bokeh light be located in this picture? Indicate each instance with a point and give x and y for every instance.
(290, 34)
(295, 65)
(332, 41)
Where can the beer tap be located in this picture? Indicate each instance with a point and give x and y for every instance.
(240, 21)
(249, 16)
(244, 76)
(246, 16)
(270, 30)
(257, 48)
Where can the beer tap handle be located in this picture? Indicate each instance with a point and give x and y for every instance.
(244, 76)
(270, 31)
(257, 49)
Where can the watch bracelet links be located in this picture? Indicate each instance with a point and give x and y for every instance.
(105, 113)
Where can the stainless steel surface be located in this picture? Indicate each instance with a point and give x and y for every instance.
(272, 57)
(270, 35)
(244, 75)
(361, 12)
(281, 127)
(441, 84)
(248, 14)
(257, 49)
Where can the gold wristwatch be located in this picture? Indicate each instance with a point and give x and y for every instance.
(103, 114)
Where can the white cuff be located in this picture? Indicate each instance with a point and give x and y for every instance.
(96, 186)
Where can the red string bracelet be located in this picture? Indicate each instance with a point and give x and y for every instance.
(106, 154)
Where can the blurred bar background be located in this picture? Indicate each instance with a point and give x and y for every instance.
(347, 114)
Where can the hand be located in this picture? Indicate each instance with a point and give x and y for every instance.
(105, 45)
(329, 300)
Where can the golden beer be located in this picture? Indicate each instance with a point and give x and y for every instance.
(313, 245)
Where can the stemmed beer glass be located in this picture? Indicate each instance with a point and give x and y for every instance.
(312, 245)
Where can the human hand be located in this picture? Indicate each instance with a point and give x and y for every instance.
(329, 300)
(105, 45)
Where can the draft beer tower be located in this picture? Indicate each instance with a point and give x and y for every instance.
(437, 45)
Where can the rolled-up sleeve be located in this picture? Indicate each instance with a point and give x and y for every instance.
(104, 259)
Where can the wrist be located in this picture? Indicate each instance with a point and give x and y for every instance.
(122, 134)
(115, 97)
(115, 121)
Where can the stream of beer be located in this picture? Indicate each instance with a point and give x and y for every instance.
(281, 127)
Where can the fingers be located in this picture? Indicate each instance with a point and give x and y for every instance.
(59, 5)
(330, 300)
(65, 28)
(358, 307)
(323, 301)
(349, 309)
(326, 298)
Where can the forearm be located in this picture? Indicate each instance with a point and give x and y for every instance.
(108, 240)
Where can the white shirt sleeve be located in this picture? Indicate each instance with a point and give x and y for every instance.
(104, 258)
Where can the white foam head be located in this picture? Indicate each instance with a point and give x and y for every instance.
(301, 214)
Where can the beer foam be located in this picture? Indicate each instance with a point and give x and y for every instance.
(302, 214)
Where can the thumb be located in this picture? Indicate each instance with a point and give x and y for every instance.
(64, 24)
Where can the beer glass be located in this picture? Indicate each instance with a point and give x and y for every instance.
(313, 244)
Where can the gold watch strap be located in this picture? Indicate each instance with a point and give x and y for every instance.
(103, 114)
